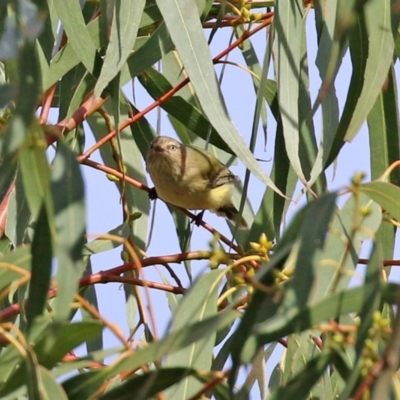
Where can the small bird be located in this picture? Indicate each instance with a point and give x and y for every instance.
(190, 177)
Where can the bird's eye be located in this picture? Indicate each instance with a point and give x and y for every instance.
(172, 147)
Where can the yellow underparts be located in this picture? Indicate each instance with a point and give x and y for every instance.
(209, 199)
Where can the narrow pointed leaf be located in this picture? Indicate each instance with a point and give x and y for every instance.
(75, 27)
(198, 304)
(380, 55)
(289, 26)
(384, 130)
(386, 195)
(300, 386)
(183, 111)
(172, 342)
(124, 28)
(68, 193)
(149, 384)
(20, 258)
(187, 34)
(41, 268)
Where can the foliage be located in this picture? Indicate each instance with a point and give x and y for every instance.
(284, 284)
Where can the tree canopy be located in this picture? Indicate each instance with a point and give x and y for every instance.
(295, 290)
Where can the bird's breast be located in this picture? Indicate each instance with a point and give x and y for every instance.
(193, 194)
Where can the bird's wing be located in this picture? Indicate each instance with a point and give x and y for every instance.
(212, 171)
(223, 177)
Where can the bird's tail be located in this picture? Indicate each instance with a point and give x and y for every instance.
(232, 214)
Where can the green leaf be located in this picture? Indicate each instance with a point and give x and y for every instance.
(289, 28)
(69, 99)
(301, 349)
(334, 265)
(183, 228)
(384, 131)
(60, 340)
(131, 154)
(98, 355)
(51, 389)
(187, 34)
(147, 55)
(378, 61)
(371, 49)
(72, 21)
(90, 295)
(47, 37)
(84, 86)
(21, 259)
(192, 118)
(386, 195)
(271, 211)
(308, 142)
(151, 18)
(343, 302)
(8, 169)
(101, 244)
(262, 307)
(199, 303)
(6, 95)
(172, 342)
(327, 55)
(33, 378)
(371, 303)
(124, 29)
(66, 58)
(142, 132)
(372, 297)
(315, 276)
(259, 78)
(36, 173)
(69, 205)
(257, 373)
(53, 343)
(300, 386)
(149, 384)
(27, 83)
(18, 214)
(42, 253)
(312, 240)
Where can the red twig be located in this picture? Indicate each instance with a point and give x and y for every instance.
(112, 275)
(141, 186)
(46, 104)
(368, 380)
(234, 21)
(4, 208)
(88, 107)
(170, 93)
(210, 384)
(70, 357)
(385, 263)
(106, 278)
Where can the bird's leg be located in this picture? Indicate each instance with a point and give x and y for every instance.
(153, 194)
(198, 219)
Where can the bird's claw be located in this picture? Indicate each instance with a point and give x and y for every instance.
(198, 219)
(153, 194)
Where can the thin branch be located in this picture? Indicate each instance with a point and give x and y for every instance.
(219, 377)
(141, 186)
(105, 278)
(46, 104)
(4, 208)
(171, 92)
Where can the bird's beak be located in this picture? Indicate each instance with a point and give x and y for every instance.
(157, 149)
